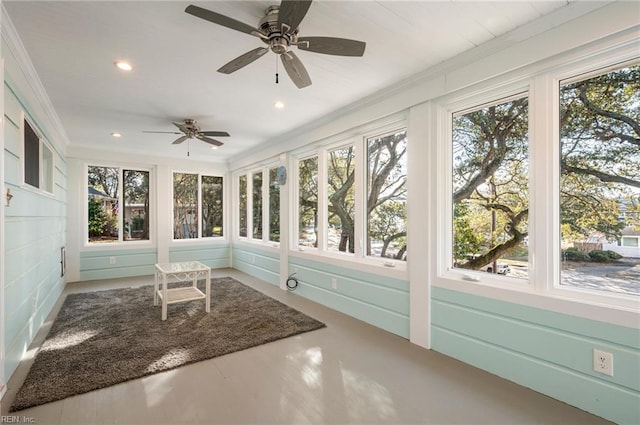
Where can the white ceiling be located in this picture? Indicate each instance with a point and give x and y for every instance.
(73, 46)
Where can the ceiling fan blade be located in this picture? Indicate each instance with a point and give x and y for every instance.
(219, 19)
(242, 61)
(215, 133)
(181, 126)
(180, 140)
(295, 69)
(163, 132)
(332, 46)
(209, 140)
(291, 13)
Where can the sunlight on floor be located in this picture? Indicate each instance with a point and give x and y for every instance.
(366, 399)
(66, 340)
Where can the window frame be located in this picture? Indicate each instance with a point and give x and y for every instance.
(199, 237)
(358, 138)
(543, 288)
(121, 242)
(249, 173)
(44, 179)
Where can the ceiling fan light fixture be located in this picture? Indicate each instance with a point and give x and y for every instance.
(214, 147)
(124, 66)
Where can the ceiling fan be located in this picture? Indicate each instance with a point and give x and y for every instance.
(279, 30)
(191, 130)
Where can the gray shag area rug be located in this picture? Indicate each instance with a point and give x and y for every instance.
(104, 338)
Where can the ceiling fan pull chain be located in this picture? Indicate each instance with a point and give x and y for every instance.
(276, 69)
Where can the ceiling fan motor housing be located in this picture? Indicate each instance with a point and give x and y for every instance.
(277, 40)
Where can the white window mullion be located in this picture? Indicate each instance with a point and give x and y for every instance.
(323, 204)
(249, 205)
(360, 216)
(266, 203)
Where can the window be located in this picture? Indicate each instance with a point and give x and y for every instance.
(197, 206)
(599, 177)
(341, 165)
(491, 188)
(212, 224)
(274, 205)
(308, 202)
(242, 196)
(108, 189)
(136, 205)
(352, 197)
(38, 160)
(387, 196)
(257, 205)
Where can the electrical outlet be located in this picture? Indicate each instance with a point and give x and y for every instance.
(603, 362)
(334, 283)
(112, 260)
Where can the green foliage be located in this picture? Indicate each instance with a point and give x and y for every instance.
(466, 240)
(574, 254)
(599, 256)
(613, 255)
(97, 218)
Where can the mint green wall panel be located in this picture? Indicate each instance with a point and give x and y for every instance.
(12, 138)
(96, 264)
(375, 299)
(12, 108)
(261, 263)
(215, 254)
(12, 171)
(116, 273)
(544, 350)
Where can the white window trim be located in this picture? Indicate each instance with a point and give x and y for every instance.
(264, 168)
(358, 138)
(200, 240)
(544, 290)
(120, 243)
(43, 144)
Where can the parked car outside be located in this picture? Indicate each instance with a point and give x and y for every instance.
(503, 268)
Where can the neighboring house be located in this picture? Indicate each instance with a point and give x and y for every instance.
(628, 245)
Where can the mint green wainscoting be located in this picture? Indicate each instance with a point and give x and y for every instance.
(257, 261)
(35, 229)
(215, 256)
(547, 351)
(378, 300)
(109, 264)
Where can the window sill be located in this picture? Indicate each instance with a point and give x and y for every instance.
(365, 265)
(616, 309)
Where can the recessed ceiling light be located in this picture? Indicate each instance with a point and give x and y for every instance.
(278, 104)
(125, 66)
(116, 134)
(214, 147)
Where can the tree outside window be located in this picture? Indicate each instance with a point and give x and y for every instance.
(185, 206)
(600, 180)
(197, 206)
(308, 202)
(387, 196)
(274, 205)
(212, 203)
(491, 188)
(257, 205)
(109, 188)
(242, 196)
(341, 196)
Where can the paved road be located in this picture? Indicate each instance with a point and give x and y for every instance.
(621, 279)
